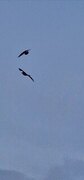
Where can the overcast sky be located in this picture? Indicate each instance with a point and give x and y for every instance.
(42, 123)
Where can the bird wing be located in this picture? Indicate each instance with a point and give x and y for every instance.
(21, 53)
(20, 69)
(30, 77)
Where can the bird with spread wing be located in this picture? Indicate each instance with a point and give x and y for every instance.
(25, 74)
(26, 52)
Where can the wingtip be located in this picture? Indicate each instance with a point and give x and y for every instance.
(18, 56)
(20, 69)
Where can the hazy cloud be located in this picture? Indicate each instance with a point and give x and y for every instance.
(71, 170)
(12, 175)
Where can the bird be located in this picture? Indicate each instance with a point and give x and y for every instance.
(26, 52)
(25, 74)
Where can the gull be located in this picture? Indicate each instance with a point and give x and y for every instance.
(25, 74)
(24, 52)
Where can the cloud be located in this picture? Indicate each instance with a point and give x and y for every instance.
(12, 175)
(71, 170)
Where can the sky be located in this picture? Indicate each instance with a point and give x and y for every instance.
(14, 175)
(42, 123)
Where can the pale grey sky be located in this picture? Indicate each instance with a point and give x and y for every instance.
(42, 123)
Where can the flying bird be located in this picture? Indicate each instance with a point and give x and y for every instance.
(25, 74)
(24, 52)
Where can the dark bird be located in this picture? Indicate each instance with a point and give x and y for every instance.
(24, 52)
(25, 74)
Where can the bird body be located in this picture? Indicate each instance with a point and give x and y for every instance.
(24, 52)
(25, 74)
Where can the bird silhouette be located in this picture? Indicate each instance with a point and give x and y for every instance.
(26, 52)
(25, 74)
